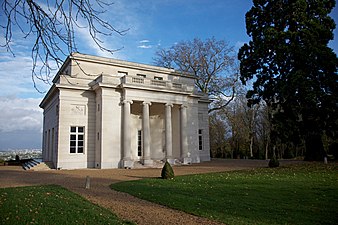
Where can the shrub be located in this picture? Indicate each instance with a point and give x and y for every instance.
(273, 162)
(167, 171)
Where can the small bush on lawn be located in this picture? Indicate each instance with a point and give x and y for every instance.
(167, 171)
(273, 162)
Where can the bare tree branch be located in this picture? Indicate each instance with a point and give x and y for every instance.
(213, 64)
(53, 25)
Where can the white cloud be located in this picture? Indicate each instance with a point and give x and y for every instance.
(145, 46)
(87, 38)
(144, 41)
(16, 76)
(20, 114)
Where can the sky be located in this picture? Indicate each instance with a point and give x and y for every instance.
(152, 24)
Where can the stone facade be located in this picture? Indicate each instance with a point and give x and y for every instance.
(107, 113)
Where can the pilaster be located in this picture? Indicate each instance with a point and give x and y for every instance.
(127, 162)
(185, 155)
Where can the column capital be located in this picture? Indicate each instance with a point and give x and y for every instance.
(169, 104)
(146, 103)
(184, 106)
(127, 101)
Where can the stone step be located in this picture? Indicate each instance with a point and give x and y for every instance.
(43, 166)
(29, 163)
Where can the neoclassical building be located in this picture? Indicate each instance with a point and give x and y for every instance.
(107, 113)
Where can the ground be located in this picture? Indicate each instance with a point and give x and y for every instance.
(124, 205)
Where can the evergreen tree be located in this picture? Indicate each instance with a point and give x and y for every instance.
(294, 70)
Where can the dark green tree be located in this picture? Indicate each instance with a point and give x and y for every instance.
(294, 70)
(167, 171)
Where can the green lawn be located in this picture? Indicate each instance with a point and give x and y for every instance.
(303, 194)
(50, 204)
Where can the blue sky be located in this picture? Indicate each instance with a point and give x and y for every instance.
(151, 23)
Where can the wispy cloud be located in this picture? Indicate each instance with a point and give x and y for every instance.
(144, 44)
(20, 114)
(85, 36)
(16, 76)
(144, 41)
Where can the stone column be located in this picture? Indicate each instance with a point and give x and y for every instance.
(168, 134)
(184, 138)
(127, 162)
(146, 134)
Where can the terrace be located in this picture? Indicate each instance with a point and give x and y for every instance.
(145, 83)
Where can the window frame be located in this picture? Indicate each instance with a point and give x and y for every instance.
(200, 139)
(77, 140)
(158, 78)
(139, 143)
(122, 73)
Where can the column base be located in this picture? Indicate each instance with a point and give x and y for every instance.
(148, 162)
(171, 161)
(186, 160)
(127, 164)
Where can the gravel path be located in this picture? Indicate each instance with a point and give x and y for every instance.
(122, 204)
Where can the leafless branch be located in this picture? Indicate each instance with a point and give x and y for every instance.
(213, 64)
(53, 24)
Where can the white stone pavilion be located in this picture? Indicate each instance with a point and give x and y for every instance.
(107, 113)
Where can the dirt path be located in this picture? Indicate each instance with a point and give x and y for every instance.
(122, 204)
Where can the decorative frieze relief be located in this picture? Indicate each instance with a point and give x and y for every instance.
(78, 109)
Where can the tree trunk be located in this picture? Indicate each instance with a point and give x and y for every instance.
(266, 150)
(314, 148)
(251, 146)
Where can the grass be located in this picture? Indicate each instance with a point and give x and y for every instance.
(303, 194)
(50, 204)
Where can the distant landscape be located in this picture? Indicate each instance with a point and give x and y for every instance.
(10, 154)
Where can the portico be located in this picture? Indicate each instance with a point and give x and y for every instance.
(160, 146)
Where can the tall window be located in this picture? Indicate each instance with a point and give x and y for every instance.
(76, 139)
(139, 143)
(200, 139)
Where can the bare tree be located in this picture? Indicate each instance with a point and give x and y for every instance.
(212, 62)
(219, 132)
(53, 24)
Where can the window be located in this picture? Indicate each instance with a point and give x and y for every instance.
(121, 73)
(139, 143)
(76, 140)
(158, 78)
(45, 142)
(142, 75)
(200, 140)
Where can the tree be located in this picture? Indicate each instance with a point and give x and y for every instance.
(54, 25)
(218, 131)
(295, 71)
(167, 171)
(212, 62)
(243, 122)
